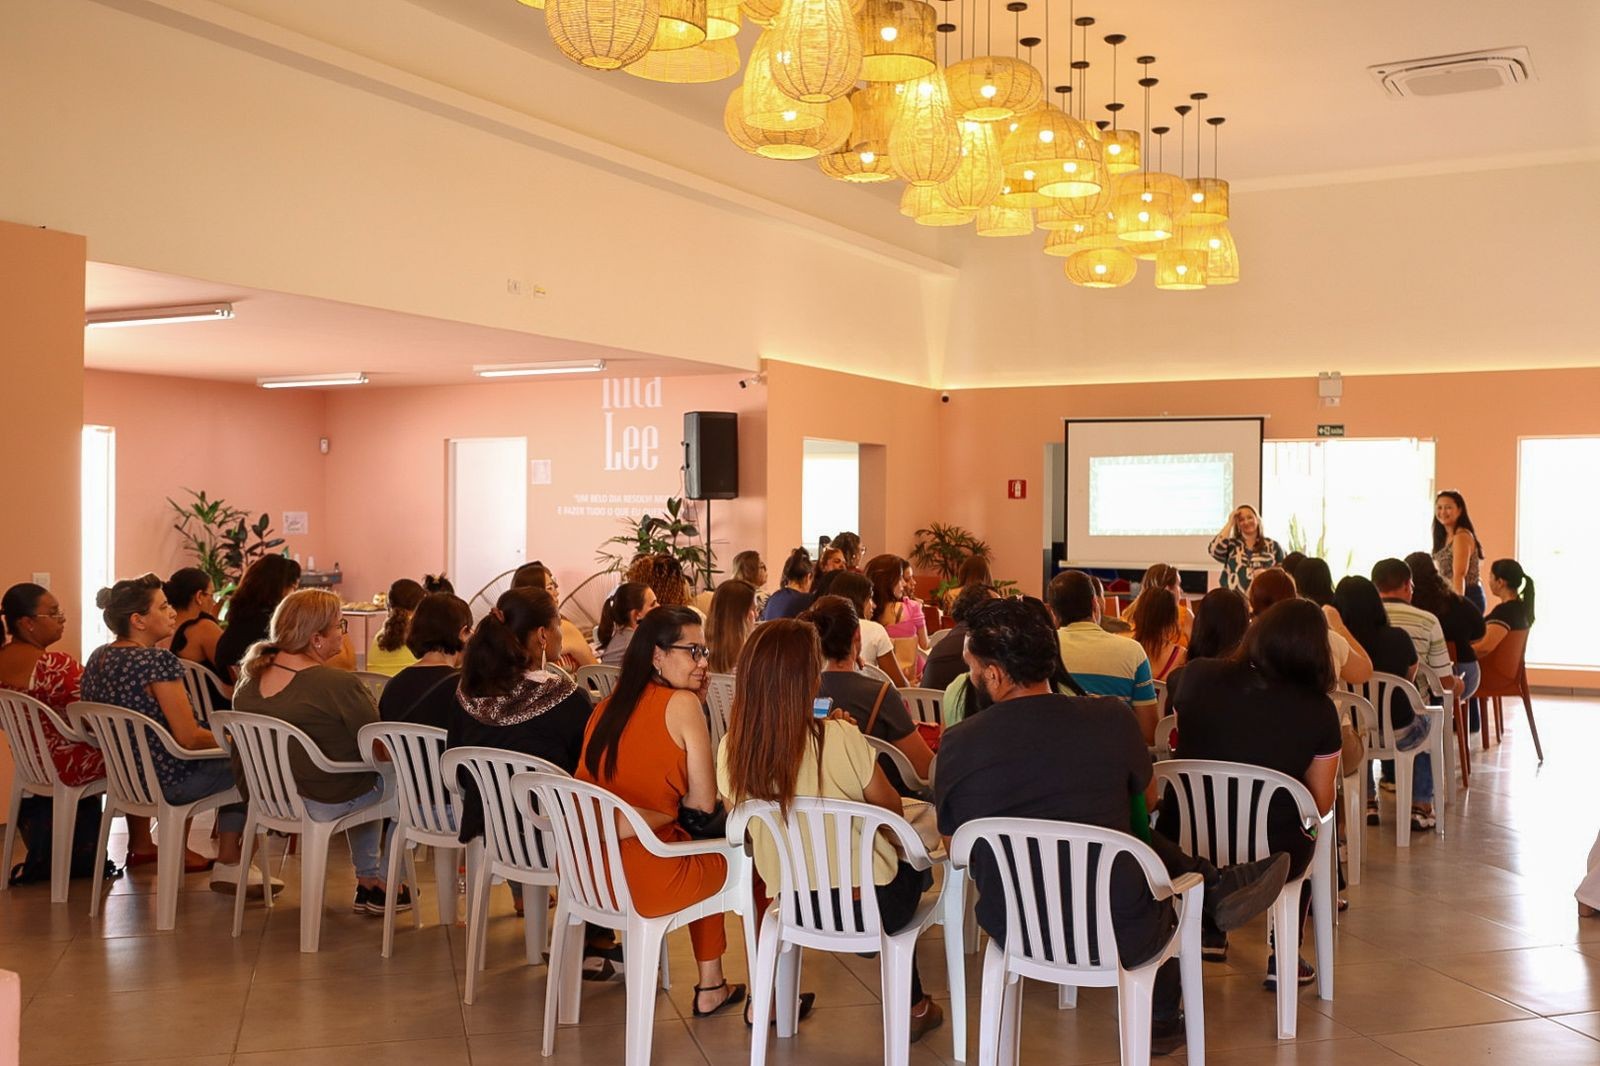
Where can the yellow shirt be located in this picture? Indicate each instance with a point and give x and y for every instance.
(847, 766)
(388, 662)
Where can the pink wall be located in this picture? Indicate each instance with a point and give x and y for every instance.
(387, 492)
(256, 449)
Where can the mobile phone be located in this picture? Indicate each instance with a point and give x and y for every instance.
(822, 706)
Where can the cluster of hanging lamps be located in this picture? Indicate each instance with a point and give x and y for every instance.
(859, 86)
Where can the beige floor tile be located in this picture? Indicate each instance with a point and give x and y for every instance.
(1388, 997)
(61, 1029)
(1549, 918)
(600, 1045)
(445, 1051)
(296, 1014)
(349, 945)
(1430, 928)
(838, 1036)
(1357, 1051)
(1241, 1013)
(510, 998)
(124, 964)
(1587, 1023)
(33, 961)
(1533, 1041)
(1551, 980)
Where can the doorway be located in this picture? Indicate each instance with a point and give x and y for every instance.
(486, 531)
(98, 499)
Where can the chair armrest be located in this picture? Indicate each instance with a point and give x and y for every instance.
(1186, 883)
(679, 849)
(198, 753)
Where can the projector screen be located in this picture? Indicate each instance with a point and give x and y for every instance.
(1142, 491)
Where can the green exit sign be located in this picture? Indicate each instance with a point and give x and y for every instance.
(1330, 429)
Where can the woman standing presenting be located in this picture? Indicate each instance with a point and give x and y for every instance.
(1242, 549)
(1456, 551)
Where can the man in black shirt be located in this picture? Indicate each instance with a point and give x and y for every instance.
(1037, 754)
(945, 663)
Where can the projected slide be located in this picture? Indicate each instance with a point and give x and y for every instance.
(1159, 495)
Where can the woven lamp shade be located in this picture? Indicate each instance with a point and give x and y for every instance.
(603, 34)
(1101, 268)
(1064, 242)
(993, 88)
(978, 178)
(706, 62)
(1022, 192)
(787, 144)
(1205, 202)
(1222, 255)
(722, 19)
(995, 221)
(1143, 209)
(1065, 211)
(864, 156)
(897, 38)
(1059, 151)
(768, 107)
(532, 3)
(1181, 269)
(1102, 234)
(761, 12)
(816, 50)
(682, 25)
(924, 204)
(1121, 151)
(925, 143)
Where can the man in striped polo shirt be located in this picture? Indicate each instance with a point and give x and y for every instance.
(1393, 580)
(1103, 663)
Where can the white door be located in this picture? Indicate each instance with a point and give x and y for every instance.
(487, 532)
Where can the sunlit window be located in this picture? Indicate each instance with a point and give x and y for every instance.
(830, 490)
(98, 469)
(1556, 518)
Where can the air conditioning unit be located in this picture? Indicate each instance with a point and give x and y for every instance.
(1464, 72)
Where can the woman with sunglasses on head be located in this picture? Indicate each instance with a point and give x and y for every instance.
(648, 743)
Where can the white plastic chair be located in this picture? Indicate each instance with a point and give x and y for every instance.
(375, 682)
(511, 848)
(1206, 789)
(935, 637)
(583, 818)
(426, 813)
(1380, 745)
(1430, 685)
(203, 688)
(1166, 730)
(825, 852)
(874, 672)
(923, 786)
(263, 744)
(23, 720)
(925, 704)
(599, 680)
(1162, 696)
(1040, 945)
(1355, 821)
(132, 788)
(719, 707)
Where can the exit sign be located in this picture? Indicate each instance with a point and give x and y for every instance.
(1330, 429)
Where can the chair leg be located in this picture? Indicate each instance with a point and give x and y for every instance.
(246, 842)
(895, 958)
(1066, 997)
(571, 969)
(1010, 1050)
(535, 922)
(1355, 823)
(790, 960)
(1402, 800)
(171, 838)
(12, 810)
(1499, 720)
(1192, 977)
(664, 966)
(397, 841)
(952, 917)
(445, 863)
(1286, 949)
(552, 982)
(314, 843)
(98, 885)
(264, 865)
(478, 880)
(991, 1006)
(763, 977)
(1533, 729)
(64, 818)
(643, 945)
(1323, 911)
(1135, 993)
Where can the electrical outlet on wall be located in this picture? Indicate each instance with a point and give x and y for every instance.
(41, 578)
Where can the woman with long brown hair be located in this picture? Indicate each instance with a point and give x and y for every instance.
(1157, 624)
(387, 653)
(733, 616)
(777, 749)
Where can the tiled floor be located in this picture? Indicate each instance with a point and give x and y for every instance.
(1465, 951)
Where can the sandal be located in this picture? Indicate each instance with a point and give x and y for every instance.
(735, 996)
(807, 1001)
(1422, 819)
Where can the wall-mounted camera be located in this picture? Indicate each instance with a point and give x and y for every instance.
(944, 397)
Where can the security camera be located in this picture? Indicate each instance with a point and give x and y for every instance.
(754, 379)
(944, 397)
(744, 383)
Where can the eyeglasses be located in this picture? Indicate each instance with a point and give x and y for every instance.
(698, 652)
(55, 615)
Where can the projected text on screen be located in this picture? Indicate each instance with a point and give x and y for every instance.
(1159, 495)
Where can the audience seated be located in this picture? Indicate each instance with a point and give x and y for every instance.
(194, 599)
(134, 672)
(777, 750)
(288, 676)
(575, 650)
(620, 616)
(974, 571)
(900, 615)
(1315, 581)
(749, 567)
(424, 693)
(1514, 589)
(1462, 622)
(850, 548)
(962, 699)
(945, 663)
(1350, 661)
(664, 575)
(1243, 549)
(1105, 665)
(733, 616)
(1267, 705)
(875, 706)
(830, 560)
(1156, 621)
(876, 647)
(387, 653)
(1220, 620)
(648, 742)
(264, 585)
(795, 595)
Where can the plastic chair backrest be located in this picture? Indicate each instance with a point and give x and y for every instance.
(936, 636)
(599, 680)
(874, 672)
(558, 670)
(719, 706)
(1378, 690)
(1502, 669)
(1033, 856)
(925, 704)
(1162, 695)
(415, 752)
(1166, 733)
(507, 838)
(1222, 807)
(375, 682)
(1350, 704)
(262, 745)
(825, 852)
(22, 718)
(203, 688)
(123, 737)
(582, 820)
(908, 773)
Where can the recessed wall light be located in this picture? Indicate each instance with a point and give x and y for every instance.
(527, 370)
(312, 381)
(157, 316)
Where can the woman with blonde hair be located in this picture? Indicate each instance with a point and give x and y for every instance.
(288, 676)
(733, 616)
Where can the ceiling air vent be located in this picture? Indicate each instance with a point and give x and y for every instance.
(1464, 72)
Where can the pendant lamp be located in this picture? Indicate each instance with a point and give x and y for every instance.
(924, 204)
(925, 144)
(603, 34)
(710, 60)
(1121, 151)
(1181, 269)
(1022, 191)
(864, 157)
(997, 221)
(539, 4)
(762, 12)
(1101, 268)
(722, 19)
(1143, 213)
(682, 25)
(897, 39)
(1058, 150)
(1065, 241)
(1102, 234)
(978, 178)
(993, 88)
(1208, 197)
(816, 50)
(787, 144)
(768, 107)
(1222, 255)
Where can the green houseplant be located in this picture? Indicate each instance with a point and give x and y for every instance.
(222, 538)
(653, 534)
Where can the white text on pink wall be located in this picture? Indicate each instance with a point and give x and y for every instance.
(630, 446)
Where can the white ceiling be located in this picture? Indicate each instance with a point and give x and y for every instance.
(274, 333)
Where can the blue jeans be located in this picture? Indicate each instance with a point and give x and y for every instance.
(1474, 595)
(207, 777)
(1411, 738)
(366, 839)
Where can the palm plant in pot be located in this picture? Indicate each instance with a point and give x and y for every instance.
(942, 549)
(671, 534)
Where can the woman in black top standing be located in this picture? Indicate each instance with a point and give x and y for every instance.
(1514, 589)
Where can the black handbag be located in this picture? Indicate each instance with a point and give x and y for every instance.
(703, 825)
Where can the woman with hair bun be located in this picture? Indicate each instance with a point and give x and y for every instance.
(620, 616)
(1514, 589)
(795, 595)
(388, 654)
(1456, 551)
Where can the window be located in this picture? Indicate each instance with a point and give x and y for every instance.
(98, 495)
(1555, 533)
(830, 490)
(1348, 501)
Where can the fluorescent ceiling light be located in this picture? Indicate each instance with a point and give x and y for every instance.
(528, 370)
(312, 381)
(157, 316)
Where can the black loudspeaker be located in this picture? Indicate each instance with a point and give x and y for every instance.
(711, 455)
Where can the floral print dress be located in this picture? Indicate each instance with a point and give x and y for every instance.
(55, 683)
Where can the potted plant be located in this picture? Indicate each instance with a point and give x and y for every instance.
(222, 539)
(670, 534)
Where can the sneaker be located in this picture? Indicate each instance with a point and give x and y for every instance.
(1422, 819)
(363, 897)
(1372, 812)
(225, 878)
(929, 1020)
(376, 897)
(1306, 975)
(1167, 1037)
(1245, 890)
(1213, 946)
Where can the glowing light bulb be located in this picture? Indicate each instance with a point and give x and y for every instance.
(1144, 216)
(1047, 136)
(790, 116)
(1027, 175)
(888, 33)
(1181, 269)
(925, 89)
(987, 92)
(868, 158)
(1112, 149)
(1070, 168)
(1198, 197)
(1099, 268)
